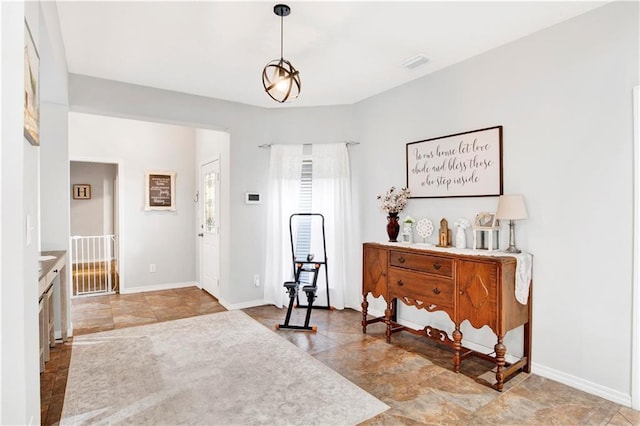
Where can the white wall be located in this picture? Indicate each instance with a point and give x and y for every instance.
(563, 96)
(54, 151)
(164, 238)
(19, 367)
(13, 386)
(93, 216)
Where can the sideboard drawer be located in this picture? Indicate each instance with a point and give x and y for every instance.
(429, 289)
(421, 262)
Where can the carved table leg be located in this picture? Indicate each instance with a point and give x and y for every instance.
(527, 346)
(365, 307)
(501, 350)
(387, 320)
(457, 339)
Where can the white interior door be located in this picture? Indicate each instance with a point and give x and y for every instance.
(210, 227)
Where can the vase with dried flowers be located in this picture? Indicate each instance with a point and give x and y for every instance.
(393, 202)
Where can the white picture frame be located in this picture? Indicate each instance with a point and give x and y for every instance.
(485, 220)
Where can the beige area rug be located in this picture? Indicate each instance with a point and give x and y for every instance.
(218, 369)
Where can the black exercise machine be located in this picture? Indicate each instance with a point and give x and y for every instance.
(306, 269)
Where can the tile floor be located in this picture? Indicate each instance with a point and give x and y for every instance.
(100, 313)
(413, 376)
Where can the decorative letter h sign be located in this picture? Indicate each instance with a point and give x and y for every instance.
(81, 192)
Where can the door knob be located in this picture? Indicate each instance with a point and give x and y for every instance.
(201, 235)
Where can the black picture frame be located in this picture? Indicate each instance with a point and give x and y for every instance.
(466, 164)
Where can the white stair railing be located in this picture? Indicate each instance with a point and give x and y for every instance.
(93, 264)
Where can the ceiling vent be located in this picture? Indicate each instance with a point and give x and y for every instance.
(415, 62)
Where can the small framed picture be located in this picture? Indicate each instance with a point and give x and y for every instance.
(82, 191)
(485, 220)
(160, 190)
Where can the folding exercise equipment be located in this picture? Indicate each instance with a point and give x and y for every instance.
(306, 266)
(310, 290)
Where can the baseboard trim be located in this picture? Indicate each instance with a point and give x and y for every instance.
(168, 286)
(243, 305)
(582, 384)
(543, 371)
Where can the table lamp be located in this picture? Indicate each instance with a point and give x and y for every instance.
(511, 207)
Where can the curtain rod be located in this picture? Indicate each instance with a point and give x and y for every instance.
(348, 143)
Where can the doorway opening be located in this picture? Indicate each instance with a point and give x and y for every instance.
(94, 228)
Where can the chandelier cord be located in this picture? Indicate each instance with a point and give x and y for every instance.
(281, 37)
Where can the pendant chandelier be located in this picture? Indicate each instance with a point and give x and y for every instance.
(280, 79)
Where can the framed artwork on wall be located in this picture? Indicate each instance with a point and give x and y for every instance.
(467, 164)
(81, 191)
(31, 88)
(160, 190)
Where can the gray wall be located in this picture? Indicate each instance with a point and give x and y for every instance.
(163, 238)
(248, 127)
(92, 216)
(563, 96)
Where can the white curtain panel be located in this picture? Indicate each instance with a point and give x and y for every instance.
(284, 190)
(331, 189)
(332, 198)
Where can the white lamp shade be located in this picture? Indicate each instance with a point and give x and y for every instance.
(511, 207)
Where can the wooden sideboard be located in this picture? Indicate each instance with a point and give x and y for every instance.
(472, 287)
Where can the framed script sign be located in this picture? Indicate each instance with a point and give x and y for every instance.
(465, 164)
(160, 191)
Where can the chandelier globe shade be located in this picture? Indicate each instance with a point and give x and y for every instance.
(281, 80)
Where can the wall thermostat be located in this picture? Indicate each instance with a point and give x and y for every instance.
(252, 198)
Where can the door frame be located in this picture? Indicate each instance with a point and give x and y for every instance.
(199, 219)
(119, 163)
(635, 325)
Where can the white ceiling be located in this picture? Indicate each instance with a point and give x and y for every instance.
(345, 51)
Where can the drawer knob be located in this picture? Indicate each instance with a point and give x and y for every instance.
(55, 271)
(436, 290)
(400, 283)
(401, 259)
(437, 265)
